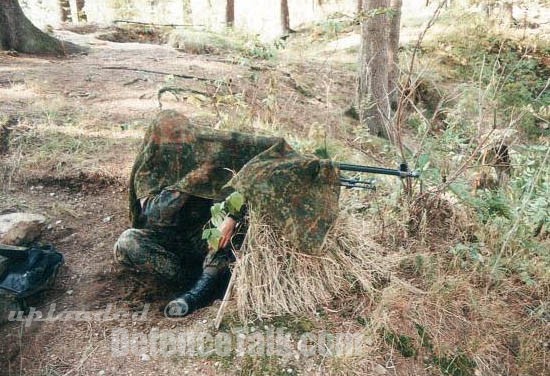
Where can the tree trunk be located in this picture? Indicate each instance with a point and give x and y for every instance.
(187, 12)
(230, 12)
(285, 17)
(372, 92)
(393, 57)
(508, 10)
(19, 34)
(74, 11)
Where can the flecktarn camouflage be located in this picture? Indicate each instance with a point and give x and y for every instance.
(297, 194)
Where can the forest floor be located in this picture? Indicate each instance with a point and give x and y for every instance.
(81, 120)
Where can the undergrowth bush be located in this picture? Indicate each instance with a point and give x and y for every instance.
(233, 43)
(511, 68)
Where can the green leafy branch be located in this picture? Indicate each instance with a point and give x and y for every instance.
(219, 211)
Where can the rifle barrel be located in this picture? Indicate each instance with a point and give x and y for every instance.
(355, 183)
(378, 170)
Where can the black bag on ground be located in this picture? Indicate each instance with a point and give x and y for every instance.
(29, 270)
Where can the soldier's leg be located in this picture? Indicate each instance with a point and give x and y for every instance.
(141, 250)
(211, 284)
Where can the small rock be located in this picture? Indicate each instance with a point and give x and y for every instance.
(101, 373)
(52, 194)
(145, 357)
(58, 222)
(107, 219)
(20, 228)
(69, 292)
(68, 238)
(380, 370)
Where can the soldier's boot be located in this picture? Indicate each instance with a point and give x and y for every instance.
(211, 285)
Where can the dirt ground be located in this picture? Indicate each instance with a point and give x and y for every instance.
(97, 105)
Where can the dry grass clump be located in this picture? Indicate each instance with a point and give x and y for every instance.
(434, 215)
(272, 278)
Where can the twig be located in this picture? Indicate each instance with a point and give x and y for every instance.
(225, 301)
(135, 80)
(186, 76)
(241, 62)
(154, 24)
(175, 91)
(82, 361)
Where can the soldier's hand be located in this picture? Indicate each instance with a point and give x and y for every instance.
(227, 228)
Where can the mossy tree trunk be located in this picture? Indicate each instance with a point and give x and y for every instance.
(19, 34)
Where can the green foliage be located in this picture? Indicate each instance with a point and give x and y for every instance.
(266, 365)
(297, 325)
(402, 343)
(532, 175)
(333, 27)
(253, 47)
(455, 365)
(425, 338)
(218, 212)
(212, 236)
(491, 204)
(236, 45)
(512, 70)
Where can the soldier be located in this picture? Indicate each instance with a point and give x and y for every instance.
(170, 245)
(179, 173)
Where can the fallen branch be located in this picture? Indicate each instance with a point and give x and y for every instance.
(11, 82)
(177, 90)
(157, 25)
(135, 80)
(186, 76)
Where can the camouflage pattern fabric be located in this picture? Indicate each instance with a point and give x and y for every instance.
(176, 259)
(298, 194)
(169, 243)
(194, 160)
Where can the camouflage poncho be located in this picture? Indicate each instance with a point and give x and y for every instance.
(298, 194)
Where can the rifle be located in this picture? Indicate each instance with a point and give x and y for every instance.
(402, 172)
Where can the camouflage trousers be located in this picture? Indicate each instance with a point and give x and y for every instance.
(174, 259)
